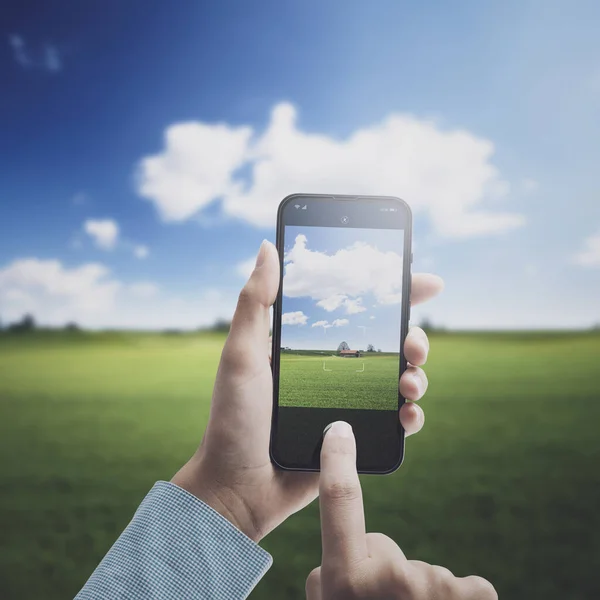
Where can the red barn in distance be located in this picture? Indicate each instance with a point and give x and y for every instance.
(349, 353)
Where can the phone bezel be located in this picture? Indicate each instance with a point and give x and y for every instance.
(277, 312)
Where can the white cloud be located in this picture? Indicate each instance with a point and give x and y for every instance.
(340, 322)
(55, 294)
(332, 302)
(328, 325)
(140, 251)
(340, 280)
(372, 317)
(340, 300)
(590, 255)
(446, 174)
(104, 232)
(48, 60)
(390, 298)
(91, 296)
(294, 318)
(355, 306)
(195, 168)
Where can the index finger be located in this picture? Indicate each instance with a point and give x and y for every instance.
(343, 532)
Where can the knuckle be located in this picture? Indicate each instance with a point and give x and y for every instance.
(313, 581)
(246, 294)
(393, 570)
(379, 543)
(376, 539)
(443, 572)
(252, 296)
(443, 581)
(482, 588)
(418, 580)
(346, 585)
(342, 490)
(398, 578)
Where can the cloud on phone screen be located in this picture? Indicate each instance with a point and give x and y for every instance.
(339, 280)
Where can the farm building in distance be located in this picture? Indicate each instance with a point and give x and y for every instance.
(345, 352)
(350, 353)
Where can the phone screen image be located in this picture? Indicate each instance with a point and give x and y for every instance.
(339, 323)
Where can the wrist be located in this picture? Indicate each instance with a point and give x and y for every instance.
(221, 499)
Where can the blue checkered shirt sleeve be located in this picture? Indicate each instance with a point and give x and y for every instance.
(177, 548)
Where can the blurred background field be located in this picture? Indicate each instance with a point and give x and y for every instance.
(502, 481)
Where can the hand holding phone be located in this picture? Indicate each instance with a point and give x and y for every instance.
(231, 470)
(339, 326)
(357, 564)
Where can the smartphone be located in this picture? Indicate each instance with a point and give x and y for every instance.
(339, 324)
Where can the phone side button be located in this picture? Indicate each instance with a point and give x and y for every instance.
(409, 294)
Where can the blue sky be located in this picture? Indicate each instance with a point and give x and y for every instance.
(342, 285)
(124, 203)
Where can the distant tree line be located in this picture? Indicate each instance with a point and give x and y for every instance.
(221, 325)
(428, 326)
(27, 323)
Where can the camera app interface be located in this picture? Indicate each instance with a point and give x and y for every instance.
(341, 317)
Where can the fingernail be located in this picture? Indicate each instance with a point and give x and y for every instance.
(339, 429)
(262, 253)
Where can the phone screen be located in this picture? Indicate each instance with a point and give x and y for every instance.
(341, 320)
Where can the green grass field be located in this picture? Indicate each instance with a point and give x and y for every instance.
(328, 381)
(503, 481)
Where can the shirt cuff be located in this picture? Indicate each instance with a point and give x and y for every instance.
(175, 547)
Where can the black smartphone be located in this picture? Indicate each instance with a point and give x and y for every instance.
(339, 324)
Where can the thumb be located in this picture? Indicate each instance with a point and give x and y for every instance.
(250, 325)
